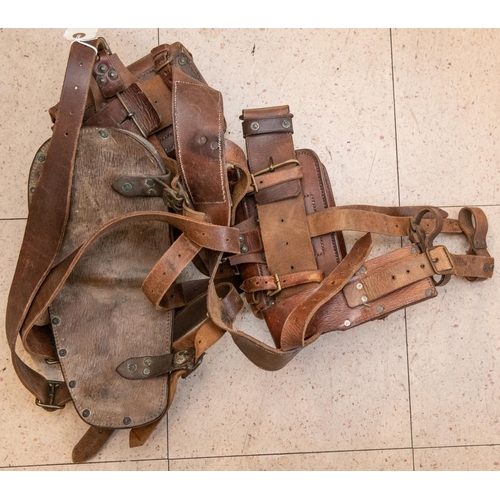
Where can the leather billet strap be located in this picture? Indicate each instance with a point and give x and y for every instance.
(48, 216)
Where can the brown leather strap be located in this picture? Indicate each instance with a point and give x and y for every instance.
(271, 358)
(48, 215)
(90, 444)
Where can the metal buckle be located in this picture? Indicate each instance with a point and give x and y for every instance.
(272, 167)
(53, 384)
(193, 367)
(432, 261)
(175, 199)
(278, 289)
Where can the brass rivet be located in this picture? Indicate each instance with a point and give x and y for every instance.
(127, 420)
(182, 60)
(127, 186)
(63, 353)
(347, 323)
(72, 384)
(286, 123)
(150, 182)
(180, 358)
(254, 126)
(56, 320)
(104, 133)
(359, 286)
(85, 413)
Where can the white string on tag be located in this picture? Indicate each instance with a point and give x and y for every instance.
(82, 35)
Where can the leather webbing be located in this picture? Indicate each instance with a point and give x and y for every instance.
(48, 214)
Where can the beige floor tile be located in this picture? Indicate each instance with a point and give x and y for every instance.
(454, 353)
(347, 391)
(342, 461)
(338, 84)
(30, 435)
(32, 74)
(136, 465)
(458, 458)
(447, 101)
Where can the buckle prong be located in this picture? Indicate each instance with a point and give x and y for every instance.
(278, 285)
(53, 384)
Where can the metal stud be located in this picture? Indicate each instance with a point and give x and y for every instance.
(150, 182)
(243, 249)
(182, 60)
(364, 299)
(63, 353)
(347, 323)
(254, 126)
(413, 250)
(102, 68)
(127, 420)
(152, 192)
(242, 238)
(362, 269)
(132, 367)
(202, 140)
(85, 413)
(214, 145)
(428, 292)
(146, 371)
(56, 320)
(40, 157)
(72, 384)
(32, 189)
(148, 361)
(359, 286)
(127, 186)
(102, 80)
(286, 123)
(104, 133)
(113, 75)
(380, 309)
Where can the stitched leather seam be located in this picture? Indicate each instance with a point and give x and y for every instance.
(325, 203)
(219, 142)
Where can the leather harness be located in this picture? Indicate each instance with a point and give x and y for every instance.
(263, 224)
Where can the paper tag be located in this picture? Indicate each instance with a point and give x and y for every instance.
(82, 34)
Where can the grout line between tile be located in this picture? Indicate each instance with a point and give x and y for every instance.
(322, 452)
(395, 120)
(399, 202)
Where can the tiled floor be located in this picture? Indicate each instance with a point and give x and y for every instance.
(398, 117)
